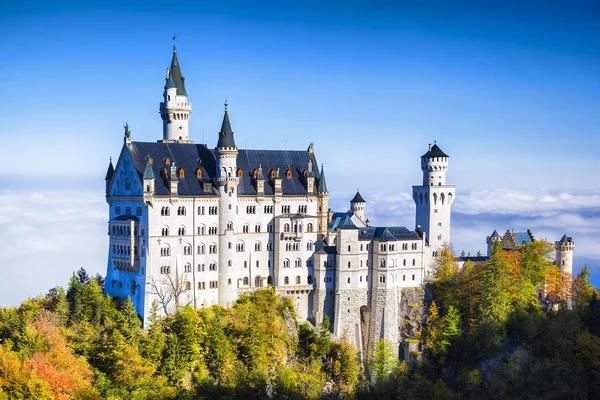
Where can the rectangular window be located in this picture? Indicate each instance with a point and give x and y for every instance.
(138, 211)
(117, 210)
(127, 210)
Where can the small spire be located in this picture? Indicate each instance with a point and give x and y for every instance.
(322, 183)
(174, 43)
(225, 104)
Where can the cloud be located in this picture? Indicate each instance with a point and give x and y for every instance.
(46, 235)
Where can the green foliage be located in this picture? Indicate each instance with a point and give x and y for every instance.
(383, 360)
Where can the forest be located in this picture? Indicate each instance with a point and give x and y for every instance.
(485, 334)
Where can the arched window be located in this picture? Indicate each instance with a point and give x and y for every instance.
(413, 277)
(168, 161)
(286, 281)
(349, 264)
(286, 263)
(309, 227)
(286, 228)
(348, 279)
(297, 280)
(245, 281)
(188, 285)
(272, 174)
(309, 280)
(240, 173)
(199, 173)
(348, 248)
(255, 173)
(288, 174)
(269, 280)
(258, 281)
(181, 173)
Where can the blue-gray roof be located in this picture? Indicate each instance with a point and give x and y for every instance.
(495, 234)
(110, 172)
(192, 157)
(170, 82)
(176, 75)
(435, 151)
(226, 134)
(340, 218)
(357, 198)
(322, 188)
(522, 238)
(148, 173)
(387, 233)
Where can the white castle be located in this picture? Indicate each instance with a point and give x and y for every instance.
(196, 225)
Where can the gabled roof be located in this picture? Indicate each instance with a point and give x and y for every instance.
(386, 236)
(110, 172)
(192, 157)
(226, 134)
(322, 188)
(346, 223)
(148, 173)
(357, 198)
(435, 151)
(176, 75)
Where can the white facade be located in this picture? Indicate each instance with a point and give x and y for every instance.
(199, 226)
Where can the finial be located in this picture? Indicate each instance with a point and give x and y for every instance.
(429, 146)
(226, 104)
(434, 141)
(127, 131)
(174, 43)
(110, 160)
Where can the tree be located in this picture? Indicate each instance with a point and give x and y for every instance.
(170, 289)
(584, 291)
(383, 361)
(444, 265)
(82, 276)
(129, 322)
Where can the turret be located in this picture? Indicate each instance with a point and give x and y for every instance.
(175, 110)
(434, 199)
(322, 205)
(148, 178)
(434, 164)
(357, 206)
(227, 181)
(490, 240)
(564, 254)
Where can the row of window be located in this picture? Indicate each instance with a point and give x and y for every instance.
(138, 211)
(297, 228)
(121, 230)
(382, 278)
(393, 247)
(123, 250)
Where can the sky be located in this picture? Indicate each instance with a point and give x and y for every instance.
(510, 90)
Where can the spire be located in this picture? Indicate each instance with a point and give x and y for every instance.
(226, 134)
(259, 173)
(110, 172)
(148, 173)
(495, 234)
(434, 151)
(322, 183)
(175, 73)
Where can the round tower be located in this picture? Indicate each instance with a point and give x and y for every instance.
(175, 110)
(434, 165)
(358, 205)
(227, 181)
(433, 199)
(564, 254)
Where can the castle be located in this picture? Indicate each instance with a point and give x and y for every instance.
(189, 224)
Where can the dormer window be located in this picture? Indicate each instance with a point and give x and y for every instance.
(168, 161)
(199, 173)
(181, 173)
(164, 172)
(272, 174)
(255, 173)
(288, 174)
(304, 173)
(239, 173)
(150, 160)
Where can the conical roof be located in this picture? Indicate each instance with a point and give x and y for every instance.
(226, 134)
(357, 198)
(322, 182)
(435, 151)
(175, 74)
(170, 82)
(148, 173)
(495, 234)
(564, 239)
(110, 172)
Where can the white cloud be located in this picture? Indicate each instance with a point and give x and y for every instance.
(46, 236)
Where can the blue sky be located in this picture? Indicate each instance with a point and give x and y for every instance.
(510, 91)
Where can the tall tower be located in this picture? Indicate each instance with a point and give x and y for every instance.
(357, 206)
(227, 182)
(175, 110)
(434, 198)
(564, 254)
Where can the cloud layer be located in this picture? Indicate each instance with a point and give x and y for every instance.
(47, 235)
